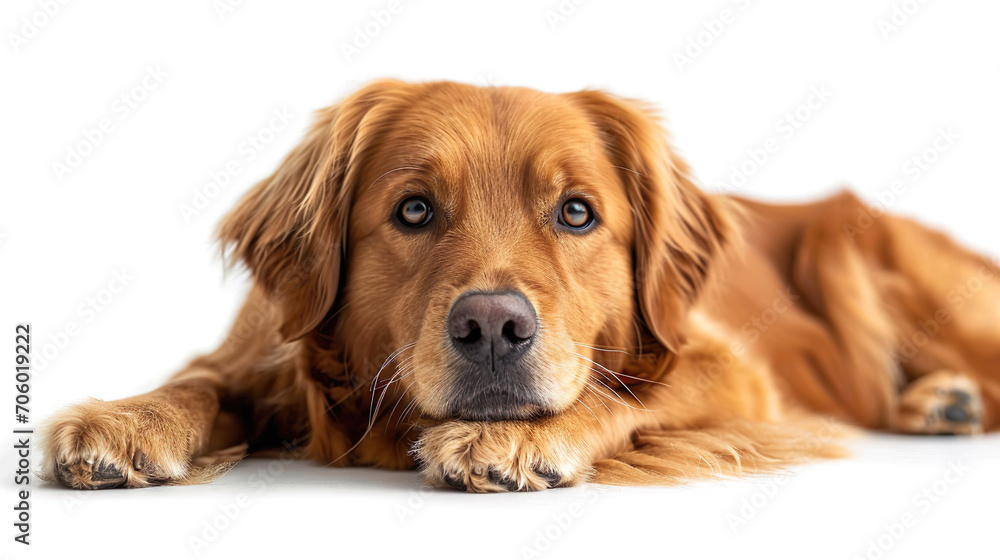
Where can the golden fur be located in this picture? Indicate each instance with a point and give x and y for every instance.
(686, 335)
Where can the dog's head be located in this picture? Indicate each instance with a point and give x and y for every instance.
(493, 239)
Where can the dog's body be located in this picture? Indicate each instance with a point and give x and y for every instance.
(517, 290)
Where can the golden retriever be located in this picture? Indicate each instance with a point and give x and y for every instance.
(515, 290)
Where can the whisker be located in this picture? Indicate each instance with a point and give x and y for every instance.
(410, 406)
(371, 418)
(399, 400)
(391, 358)
(373, 407)
(393, 171)
(400, 374)
(580, 400)
(604, 349)
(413, 410)
(627, 376)
(601, 400)
(617, 374)
(618, 398)
(622, 384)
(614, 395)
(378, 406)
(629, 170)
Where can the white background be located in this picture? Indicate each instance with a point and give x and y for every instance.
(62, 236)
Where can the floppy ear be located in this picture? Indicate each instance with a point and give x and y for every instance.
(678, 228)
(290, 229)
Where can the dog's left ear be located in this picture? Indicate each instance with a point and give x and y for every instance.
(679, 229)
(290, 229)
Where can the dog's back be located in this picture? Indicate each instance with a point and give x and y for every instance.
(848, 305)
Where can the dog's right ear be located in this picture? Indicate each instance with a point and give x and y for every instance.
(290, 229)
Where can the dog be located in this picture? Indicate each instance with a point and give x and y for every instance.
(512, 290)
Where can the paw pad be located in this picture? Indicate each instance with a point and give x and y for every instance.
(943, 403)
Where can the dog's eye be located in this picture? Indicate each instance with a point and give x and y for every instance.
(414, 212)
(576, 214)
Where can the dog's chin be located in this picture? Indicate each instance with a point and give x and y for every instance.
(491, 405)
(510, 392)
(497, 413)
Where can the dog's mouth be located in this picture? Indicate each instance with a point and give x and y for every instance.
(508, 393)
(493, 407)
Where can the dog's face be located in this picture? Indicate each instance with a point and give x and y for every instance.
(491, 239)
(491, 233)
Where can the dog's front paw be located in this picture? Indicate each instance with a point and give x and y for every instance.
(511, 456)
(943, 402)
(130, 443)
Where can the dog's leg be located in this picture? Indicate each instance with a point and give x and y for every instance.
(139, 441)
(948, 302)
(943, 402)
(507, 456)
(906, 305)
(154, 438)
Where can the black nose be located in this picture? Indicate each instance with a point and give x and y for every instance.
(492, 328)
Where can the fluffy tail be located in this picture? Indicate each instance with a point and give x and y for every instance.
(736, 448)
